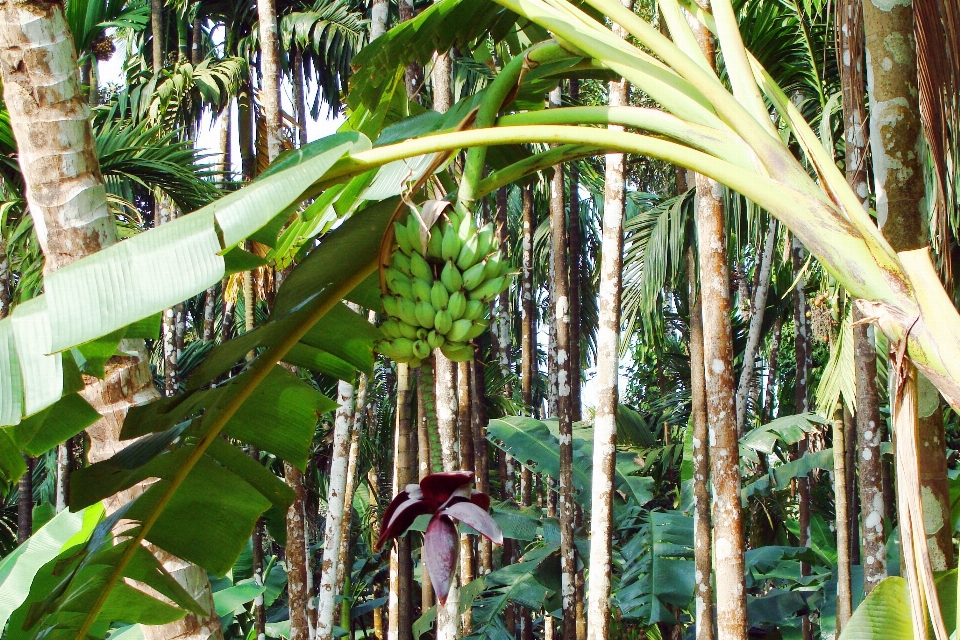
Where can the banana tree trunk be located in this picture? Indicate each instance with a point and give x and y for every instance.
(608, 343)
(754, 334)
(270, 73)
(335, 508)
(894, 127)
(50, 118)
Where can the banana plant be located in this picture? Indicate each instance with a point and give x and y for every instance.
(728, 136)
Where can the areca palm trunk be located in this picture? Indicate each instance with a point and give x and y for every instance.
(400, 609)
(895, 127)
(561, 305)
(608, 343)
(335, 508)
(729, 544)
(50, 118)
(270, 73)
(575, 247)
(156, 28)
(804, 363)
(448, 616)
(840, 479)
(754, 334)
(850, 38)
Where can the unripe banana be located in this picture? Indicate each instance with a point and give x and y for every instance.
(505, 269)
(451, 277)
(457, 305)
(477, 328)
(407, 331)
(435, 244)
(489, 289)
(435, 340)
(398, 283)
(413, 234)
(425, 315)
(493, 264)
(457, 352)
(421, 349)
(439, 297)
(390, 306)
(401, 262)
(466, 228)
(421, 290)
(443, 321)
(420, 268)
(459, 330)
(408, 311)
(391, 329)
(468, 253)
(403, 349)
(475, 310)
(400, 233)
(386, 348)
(450, 247)
(473, 277)
(485, 240)
(422, 333)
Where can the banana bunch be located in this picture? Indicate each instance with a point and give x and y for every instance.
(439, 290)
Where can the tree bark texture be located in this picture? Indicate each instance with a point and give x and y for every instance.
(270, 74)
(296, 555)
(575, 247)
(729, 544)
(344, 565)
(49, 116)
(840, 480)
(481, 456)
(702, 526)
(413, 76)
(895, 146)
(754, 333)
(400, 608)
(343, 422)
(156, 29)
(448, 617)
(608, 343)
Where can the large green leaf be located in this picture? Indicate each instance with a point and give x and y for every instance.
(885, 613)
(787, 430)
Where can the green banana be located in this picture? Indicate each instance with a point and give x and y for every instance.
(489, 289)
(466, 228)
(450, 247)
(403, 349)
(493, 265)
(421, 290)
(400, 233)
(485, 240)
(439, 297)
(420, 268)
(386, 348)
(407, 331)
(476, 330)
(451, 277)
(443, 321)
(413, 234)
(425, 315)
(391, 329)
(473, 277)
(457, 352)
(457, 305)
(390, 306)
(435, 340)
(475, 310)
(422, 334)
(435, 244)
(401, 262)
(398, 283)
(468, 253)
(459, 330)
(408, 311)
(421, 349)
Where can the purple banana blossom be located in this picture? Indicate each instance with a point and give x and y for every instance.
(447, 497)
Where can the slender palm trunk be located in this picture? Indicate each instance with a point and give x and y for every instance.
(270, 72)
(448, 617)
(481, 456)
(467, 462)
(54, 122)
(575, 248)
(413, 76)
(296, 555)
(400, 608)
(299, 97)
(156, 28)
(756, 324)
(894, 127)
(608, 344)
(844, 598)
(702, 526)
(335, 507)
(804, 363)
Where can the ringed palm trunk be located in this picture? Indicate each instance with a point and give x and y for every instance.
(575, 246)
(840, 480)
(448, 617)
(270, 72)
(400, 609)
(156, 27)
(729, 543)
(869, 471)
(608, 343)
(804, 363)
(49, 118)
(894, 127)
